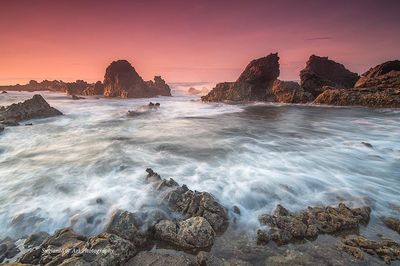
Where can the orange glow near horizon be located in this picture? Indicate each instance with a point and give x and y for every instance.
(184, 41)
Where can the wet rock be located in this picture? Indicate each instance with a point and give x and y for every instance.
(290, 92)
(36, 107)
(366, 144)
(387, 249)
(128, 226)
(145, 109)
(1, 128)
(236, 210)
(122, 80)
(370, 97)
(4, 92)
(286, 227)
(147, 258)
(385, 75)
(8, 249)
(207, 259)
(392, 223)
(254, 84)
(321, 71)
(290, 257)
(74, 97)
(191, 233)
(35, 239)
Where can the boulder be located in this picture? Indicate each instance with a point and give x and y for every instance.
(159, 86)
(35, 239)
(286, 227)
(392, 223)
(321, 71)
(148, 258)
(145, 109)
(370, 97)
(8, 249)
(290, 92)
(3, 92)
(254, 84)
(192, 233)
(386, 75)
(387, 249)
(37, 107)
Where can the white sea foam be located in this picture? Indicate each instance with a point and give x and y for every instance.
(54, 173)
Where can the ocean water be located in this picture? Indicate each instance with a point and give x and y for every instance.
(76, 169)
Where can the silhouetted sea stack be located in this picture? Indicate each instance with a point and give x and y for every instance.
(321, 71)
(122, 80)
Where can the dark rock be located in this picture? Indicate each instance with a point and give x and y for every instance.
(386, 75)
(3, 92)
(36, 107)
(370, 97)
(392, 223)
(236, 210)
(148, 258)
(321, 71)
(286, 227)
(45, 85)
(192, 233)
(366, 144)
(8, 249)
(144, 109)
(122, 80)
(207, 259)
(387, 249)
(94, 89)
(1, 128)
(35, 239)
(254, 84)
(74, 97)
(290, 92)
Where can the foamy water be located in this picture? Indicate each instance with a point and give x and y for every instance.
(74, 170)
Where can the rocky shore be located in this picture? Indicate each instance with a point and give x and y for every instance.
(322, 81)
(182, 226)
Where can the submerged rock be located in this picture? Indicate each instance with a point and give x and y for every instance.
(37, 107)
(254, 84)
(370, 97)
(145, 109)
(387, 249)
(321, 71)
(74, 97)
(148, 258)
(4, 92)
(8, 249)
(385, 75)
(286, 227)
(392, 223)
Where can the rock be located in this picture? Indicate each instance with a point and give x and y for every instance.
(286, 227)
(3, 92)
(1, 128)
(8, 249)
(366, 144)
(290, 92)
(289, 258)
(74, 97)
(207, 259)
(387, 249)
(36, 107)
(370, 97)
(236, 210)
(148, 258)
(386, 75)
(159, 86)
(392, 223)
(122, 80)
(321, 71)
(193, 91)
(128, 226)
(254, 84)
(94, 89)
(45, 85)
(35, 239)
(191, 233)
(145, 109)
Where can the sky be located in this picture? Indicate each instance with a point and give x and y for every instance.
(188, 41)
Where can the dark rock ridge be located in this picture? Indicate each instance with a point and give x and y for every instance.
(386, 75)
(286, 227)
(122, 80)
(254, 84)
(37, 107)
(321, 71)
(371, 97)
(387, 249)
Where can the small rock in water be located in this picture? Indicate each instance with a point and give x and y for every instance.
(366, 144)
(1, 128)
(35, 239)
(8, 249)
(392, 223)
(74, 97)
(236, 210)
(100, 201)
(4, 92)
(28, 124)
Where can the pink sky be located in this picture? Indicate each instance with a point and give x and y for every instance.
(190, 40)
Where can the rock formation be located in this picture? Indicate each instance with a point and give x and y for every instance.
(321, 71)
(254, 84)
(193, 91)
(37, 107)
(290, 92)
(122, 80)
(144, 109)
(386, 75)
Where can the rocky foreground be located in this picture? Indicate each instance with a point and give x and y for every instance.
(322, 81)
(190, 223)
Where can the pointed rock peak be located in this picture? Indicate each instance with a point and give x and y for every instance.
(261, 70)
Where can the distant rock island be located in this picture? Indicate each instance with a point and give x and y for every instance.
(322, 81)
(120, 80)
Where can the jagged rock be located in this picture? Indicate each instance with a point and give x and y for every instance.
(148, 258)
(286, 226)
(74, 97)
(145, 109)
(392, 223)
(371, 97)
(35, 239)
(159, 86)
(122, 80)
(36, 107)
(8, 249)
(4, 92)
(321, 71)
(290, 92)
(387, 249)
(192, 233)
(386, 75)
(45, 85)
(255, 83)
(94, 89)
